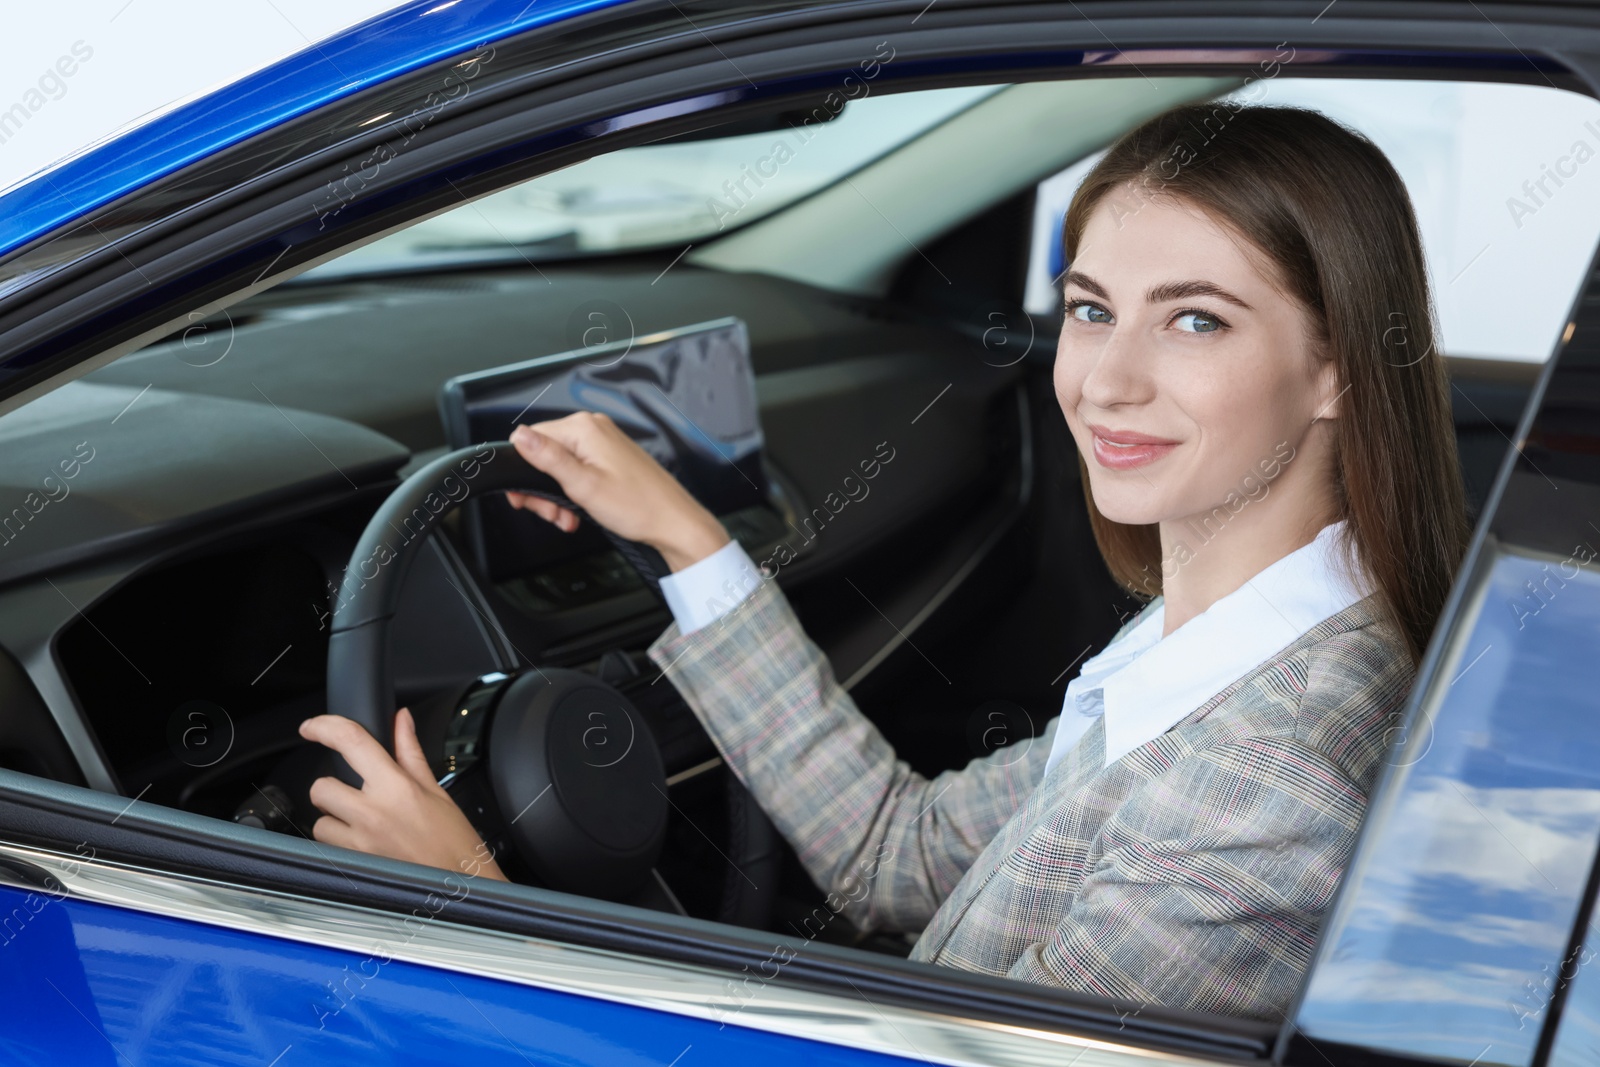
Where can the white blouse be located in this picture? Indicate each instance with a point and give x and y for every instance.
(1143, 683)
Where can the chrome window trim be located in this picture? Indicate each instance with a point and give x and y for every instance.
(678, 988)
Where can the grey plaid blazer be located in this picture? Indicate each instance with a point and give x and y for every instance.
(1191, 873)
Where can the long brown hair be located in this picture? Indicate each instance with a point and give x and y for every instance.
(1326, 207)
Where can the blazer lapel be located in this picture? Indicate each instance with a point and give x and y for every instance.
(1077, 788)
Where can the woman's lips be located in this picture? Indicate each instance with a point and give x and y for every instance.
(1124, 449)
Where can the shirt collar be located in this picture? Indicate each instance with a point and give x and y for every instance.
(1144, 684)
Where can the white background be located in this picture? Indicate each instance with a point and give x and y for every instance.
(147, 55)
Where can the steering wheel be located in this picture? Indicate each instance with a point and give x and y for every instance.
(359, 683)
(513, 738)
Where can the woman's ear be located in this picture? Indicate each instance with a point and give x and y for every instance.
(1328, 392)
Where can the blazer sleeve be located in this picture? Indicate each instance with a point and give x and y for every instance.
(886, 843)
(1212, 883)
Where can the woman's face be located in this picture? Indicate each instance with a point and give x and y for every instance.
(1187, 378)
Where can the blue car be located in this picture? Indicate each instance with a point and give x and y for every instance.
(256, 354)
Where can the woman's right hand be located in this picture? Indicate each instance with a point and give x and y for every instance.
(619, 484)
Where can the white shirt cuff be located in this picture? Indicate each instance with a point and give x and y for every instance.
(704, 591)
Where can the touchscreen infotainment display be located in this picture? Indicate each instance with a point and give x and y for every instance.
(687, 396)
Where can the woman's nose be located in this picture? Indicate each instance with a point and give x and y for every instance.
(1119, 373)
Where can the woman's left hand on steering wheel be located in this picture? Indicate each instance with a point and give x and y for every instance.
(400, 811)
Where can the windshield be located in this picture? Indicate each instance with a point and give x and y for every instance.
(661, 194)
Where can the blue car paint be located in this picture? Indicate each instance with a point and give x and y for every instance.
(363, 56)
(91, 985)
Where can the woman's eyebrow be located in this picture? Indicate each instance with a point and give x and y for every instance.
(1185, 290)
(1162, 293)
(1083, 281)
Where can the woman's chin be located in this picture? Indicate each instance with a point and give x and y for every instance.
(1130, 512)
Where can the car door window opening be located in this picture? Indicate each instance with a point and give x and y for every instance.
(169, 617)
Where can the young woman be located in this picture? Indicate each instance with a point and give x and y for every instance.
(1261, 453)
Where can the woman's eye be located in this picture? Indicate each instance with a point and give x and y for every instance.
(1198, 322)
(1086, 312)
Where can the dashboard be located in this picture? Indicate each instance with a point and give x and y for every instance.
(164, 611)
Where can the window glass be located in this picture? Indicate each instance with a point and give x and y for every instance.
(656, 194)
(1577, 1042)
(1479, 850)
(1505, 186)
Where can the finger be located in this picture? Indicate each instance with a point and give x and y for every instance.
(408, 750)
(336, 798)
(599, 436)
(594, 438)
(331, 831)
(556, 515)
(546, 453)
(351, 740)
(576, 430)
(548, 510)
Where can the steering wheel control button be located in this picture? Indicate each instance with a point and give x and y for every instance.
(464, 734)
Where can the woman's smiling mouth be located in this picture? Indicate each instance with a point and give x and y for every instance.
(1124, 449)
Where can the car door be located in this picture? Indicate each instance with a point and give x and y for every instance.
(138, 932)
(1466, 931)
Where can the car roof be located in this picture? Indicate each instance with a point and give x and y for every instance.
(410, 35)
(370, 53)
